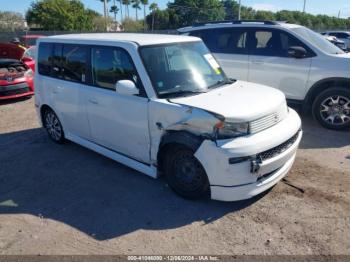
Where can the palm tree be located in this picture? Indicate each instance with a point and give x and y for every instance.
(153, 7)
(126, 3)
(114, 9)
(105, 8)
(136, 5)
(121, 10)
(144, 3)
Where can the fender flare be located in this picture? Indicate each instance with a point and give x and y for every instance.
(184, 138)
(320, 86)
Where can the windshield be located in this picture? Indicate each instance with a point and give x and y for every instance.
(182, 69)
(30, 52)
(317, 40)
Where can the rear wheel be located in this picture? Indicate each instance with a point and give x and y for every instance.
(332, 108)
(184, 173)
(53, 126)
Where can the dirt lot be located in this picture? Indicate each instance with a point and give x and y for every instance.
(69, 200)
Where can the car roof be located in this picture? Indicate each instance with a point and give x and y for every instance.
(238, 24)
(140, 39)
(31, 36)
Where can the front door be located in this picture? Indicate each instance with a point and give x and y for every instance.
(271, 65)
(117, 122)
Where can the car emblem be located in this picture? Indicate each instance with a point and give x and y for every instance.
(9, 79)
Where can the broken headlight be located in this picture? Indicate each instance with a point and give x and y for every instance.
(227, 130)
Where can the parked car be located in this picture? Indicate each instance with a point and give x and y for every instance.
(162, 104)
(341, 35)
(312, 72)
(335, 41)
(16, 79)
(12, 51)
(30, 40)
(29, 57)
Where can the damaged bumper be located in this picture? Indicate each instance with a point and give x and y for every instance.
(243, 167)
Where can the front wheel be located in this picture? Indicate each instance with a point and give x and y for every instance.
(331, 108)
(184, 173)
(53, 126)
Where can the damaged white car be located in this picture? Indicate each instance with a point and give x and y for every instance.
(161, 104)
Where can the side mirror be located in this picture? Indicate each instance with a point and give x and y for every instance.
(297, 52)
(126, 87)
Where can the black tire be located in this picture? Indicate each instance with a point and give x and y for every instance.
(331, 108)
(53, 126)
(184, 174)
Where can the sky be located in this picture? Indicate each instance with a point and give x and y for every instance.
(312, 6)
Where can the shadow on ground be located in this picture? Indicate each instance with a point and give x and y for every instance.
(90, 192)
(316, 136)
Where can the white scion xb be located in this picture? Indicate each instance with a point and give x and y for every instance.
(161, 104)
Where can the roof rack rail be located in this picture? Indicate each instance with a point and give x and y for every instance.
(266, 22)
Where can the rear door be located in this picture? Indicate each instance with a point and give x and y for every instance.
(229, 47)
(271, 65)
(64, 70)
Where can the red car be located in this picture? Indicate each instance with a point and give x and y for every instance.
(30, 40)
(29, 57)
(16, 79)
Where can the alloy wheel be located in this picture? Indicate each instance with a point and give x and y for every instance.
(335, 110)
(53, 126)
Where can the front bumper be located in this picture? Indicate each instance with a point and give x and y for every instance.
(16, 90)
(259, 168)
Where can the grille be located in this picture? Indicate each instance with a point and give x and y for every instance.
(278, 149)
(269, 120)
(14, 92)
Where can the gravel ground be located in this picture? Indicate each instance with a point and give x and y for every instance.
(69, 200)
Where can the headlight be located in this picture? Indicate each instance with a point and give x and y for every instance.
(227, 130)
(29, 73)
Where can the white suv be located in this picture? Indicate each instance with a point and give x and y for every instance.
(311, 71)
(162, 104)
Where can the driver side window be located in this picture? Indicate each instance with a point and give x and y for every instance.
(109, 65)
(265, 42)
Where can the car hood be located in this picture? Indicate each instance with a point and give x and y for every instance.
(237, 102)
(11, 51)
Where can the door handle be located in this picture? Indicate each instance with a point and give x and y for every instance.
(93, 101)
(57, 89)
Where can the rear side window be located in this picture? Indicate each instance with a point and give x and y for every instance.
(224, 40)
(74, 63)
(44, 59)
(109, 65)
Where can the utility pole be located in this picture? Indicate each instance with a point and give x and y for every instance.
(304, 6)
(339, 13)
(239, 10)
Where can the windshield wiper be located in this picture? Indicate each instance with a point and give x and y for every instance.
(181, 93)
(222, 83)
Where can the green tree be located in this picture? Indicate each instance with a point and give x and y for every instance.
(153, 8)
(11, 21)
(126, 3)
(144, 3)
(121, 9)
(131, 25)
(192, 11)
(114, 9)
(61, 15)
(136, 4)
